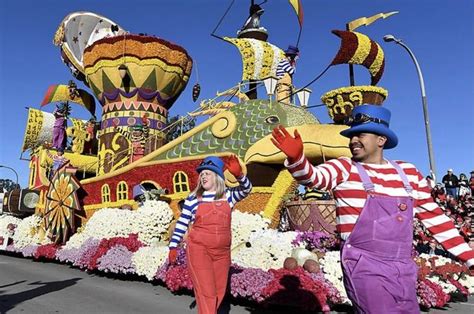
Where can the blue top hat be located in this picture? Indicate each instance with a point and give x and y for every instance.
(292, 50)
(215, 164)
(371, 119)
(138, 190)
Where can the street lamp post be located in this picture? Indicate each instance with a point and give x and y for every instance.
(16, 174)
(391, 38)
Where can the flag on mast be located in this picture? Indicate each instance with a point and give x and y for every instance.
(296, 4)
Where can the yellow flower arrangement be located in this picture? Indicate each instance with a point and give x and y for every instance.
(259, 58)
(282, 185)
(249, 56)
(268, 200)
(341, 101)
(350, 89)
(378, 62)
(362, 51)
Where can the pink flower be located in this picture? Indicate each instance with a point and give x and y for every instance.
(131, 243)
(431, 294)
(178, 278)
(248, 283)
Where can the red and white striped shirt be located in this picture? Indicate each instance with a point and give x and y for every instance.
(341, 176)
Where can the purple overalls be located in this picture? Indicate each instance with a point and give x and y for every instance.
(379, 273)
(59, 130)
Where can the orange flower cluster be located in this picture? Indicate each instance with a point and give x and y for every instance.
(142, 47)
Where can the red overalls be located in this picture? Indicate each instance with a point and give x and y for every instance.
(208, 254)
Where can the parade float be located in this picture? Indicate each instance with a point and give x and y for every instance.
(85, 213)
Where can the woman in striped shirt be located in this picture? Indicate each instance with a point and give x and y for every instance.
(208, 209)
(376, 201)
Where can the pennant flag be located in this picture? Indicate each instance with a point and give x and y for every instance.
(296, 4)
(366, 21)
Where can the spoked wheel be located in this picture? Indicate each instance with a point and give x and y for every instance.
(62, 205)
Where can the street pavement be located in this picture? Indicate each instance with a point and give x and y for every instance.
(27, 286)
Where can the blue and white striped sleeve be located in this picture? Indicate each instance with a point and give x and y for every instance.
(239, 193)
(182, 224)
(284, 66)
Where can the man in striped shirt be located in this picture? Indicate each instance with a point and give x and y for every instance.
(376, 200)
(284, 72)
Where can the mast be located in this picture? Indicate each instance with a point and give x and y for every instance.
(252, 29)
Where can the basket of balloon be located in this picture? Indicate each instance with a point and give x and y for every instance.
(312, 215)
(341, 101)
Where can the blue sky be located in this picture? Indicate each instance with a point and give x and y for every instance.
(440, 33)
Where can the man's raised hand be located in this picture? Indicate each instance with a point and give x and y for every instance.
(289, 145)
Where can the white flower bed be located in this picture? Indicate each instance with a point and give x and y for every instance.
(468, 281)
(148, 259)
(269, 249)
(246, 224)
(104, 224)
(5, 220)
(331, 267)
(150, 222)
(29, 232)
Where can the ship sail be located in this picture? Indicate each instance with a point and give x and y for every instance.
(39, 128)
(357, 48)
(259, 58)
(59, 93)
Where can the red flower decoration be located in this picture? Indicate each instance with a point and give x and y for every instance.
(47, 251)
(441, 297)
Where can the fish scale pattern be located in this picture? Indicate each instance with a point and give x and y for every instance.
(255, 120)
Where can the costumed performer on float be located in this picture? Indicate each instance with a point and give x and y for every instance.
(376, 201)
(59, 160)
(90, 143)
(207, 213)
(284, 73)
(59, 129)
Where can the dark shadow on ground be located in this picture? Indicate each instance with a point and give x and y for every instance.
(293, 310)
(292, 293)
(12, 284)
(9, 301)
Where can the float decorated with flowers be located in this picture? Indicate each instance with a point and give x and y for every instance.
(284, 247)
